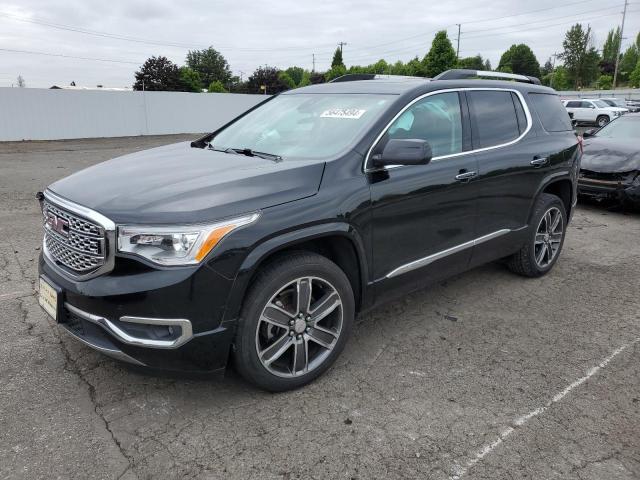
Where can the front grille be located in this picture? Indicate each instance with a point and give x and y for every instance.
(73, 242)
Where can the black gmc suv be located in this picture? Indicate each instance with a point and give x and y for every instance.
(261, 241)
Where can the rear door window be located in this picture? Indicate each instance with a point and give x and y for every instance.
(574, 104)
(552, 114)
(494, 116)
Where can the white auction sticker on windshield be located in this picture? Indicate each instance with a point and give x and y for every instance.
(343, 113)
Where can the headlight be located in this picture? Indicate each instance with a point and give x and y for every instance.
(177, 245)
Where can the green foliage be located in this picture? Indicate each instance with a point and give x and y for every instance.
(547, 69)
(335, 72)
(441, 56)
(561, 79)
(520, 59)
(505, 69)
(191, 81)
(634, 78)
(286, 80)
(579, 58)
(216, 87)
(158, 74)
(210, 64)
(472, 63)
(487, 65)
(305, 80)
(337, 59)
(605, 82)
(267, 76)
(611, 45)
(628, 62)
(296, 74)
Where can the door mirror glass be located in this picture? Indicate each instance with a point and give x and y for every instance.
(404, 151)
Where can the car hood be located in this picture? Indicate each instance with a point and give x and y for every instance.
(180, 184)
(609, 155)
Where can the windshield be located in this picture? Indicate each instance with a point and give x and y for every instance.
(304, 126)
(614, 102)
(623, 127)
(600, 104)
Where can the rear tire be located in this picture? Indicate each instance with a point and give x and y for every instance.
(295, 321)
(546, 238)
(602, 120)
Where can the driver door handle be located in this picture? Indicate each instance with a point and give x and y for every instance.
(539, 161)
(465, 176)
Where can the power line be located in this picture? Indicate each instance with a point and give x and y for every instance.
(10, 50)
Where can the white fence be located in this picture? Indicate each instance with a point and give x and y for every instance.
(43, 114)
(629, 94)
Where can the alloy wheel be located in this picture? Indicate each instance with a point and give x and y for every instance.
(299, 327)
(548, 237)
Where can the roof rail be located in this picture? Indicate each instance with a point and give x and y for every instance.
(459, 74)
(352, 77)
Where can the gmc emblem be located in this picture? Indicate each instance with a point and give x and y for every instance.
(57, 224)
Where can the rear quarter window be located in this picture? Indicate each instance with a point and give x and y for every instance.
(494, 116)
(552, 114)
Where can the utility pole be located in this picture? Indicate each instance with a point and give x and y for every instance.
(241, 74)
(615, 72)
(313, 55)
(553, 68)
(341, 44)
(458, 48)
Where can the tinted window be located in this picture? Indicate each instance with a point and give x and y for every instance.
(494, 116)
(436, 119)
(552, 114)
(521, 116)
(574, 104)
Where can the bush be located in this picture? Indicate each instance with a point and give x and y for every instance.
(634, 78)
(605, 82)
(216, 87)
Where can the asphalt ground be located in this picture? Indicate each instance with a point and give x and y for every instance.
(484, 376)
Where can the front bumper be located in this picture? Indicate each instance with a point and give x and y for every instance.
(163, 319)
(615, 190)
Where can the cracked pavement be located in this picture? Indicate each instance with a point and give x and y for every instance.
(424, 383)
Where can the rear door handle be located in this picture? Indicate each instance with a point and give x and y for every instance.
(465, 176)
(539, 161)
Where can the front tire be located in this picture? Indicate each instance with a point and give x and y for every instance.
(294, 322)
(602, 120)
(548, 228)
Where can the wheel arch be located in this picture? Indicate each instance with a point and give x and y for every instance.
(338, 241)
(559, 185)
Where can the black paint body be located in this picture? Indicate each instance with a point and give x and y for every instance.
(379, 219)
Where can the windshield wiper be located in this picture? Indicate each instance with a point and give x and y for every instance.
(248, 152)
(253, 153)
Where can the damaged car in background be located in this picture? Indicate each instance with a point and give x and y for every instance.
(611, 162)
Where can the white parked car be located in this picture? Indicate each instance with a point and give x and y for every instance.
(592, 111)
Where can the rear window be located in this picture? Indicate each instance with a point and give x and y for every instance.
(573, 104)
(495, 118)
(552, 114)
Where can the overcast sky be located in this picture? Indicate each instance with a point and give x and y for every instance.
(279, 33)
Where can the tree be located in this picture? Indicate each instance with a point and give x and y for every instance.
(634, 78)
(560, 79)
(216, 87)
(158, 74)
(611, 45)
(296, 74)
(335, 72)
(191, 81)
(605, 82)
(578, 56)
(547, 68)
(487, 65)
(471, 63)
(286, 80)
(441, 56)
(210, 64)
(337, 58)
(20, 81)
(521, 59)
(628, 62)
(268, 77)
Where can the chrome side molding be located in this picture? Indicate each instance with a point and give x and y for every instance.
(423, 262)
(186, 331)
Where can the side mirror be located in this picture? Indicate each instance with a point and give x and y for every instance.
(404, 151)
(589, 133)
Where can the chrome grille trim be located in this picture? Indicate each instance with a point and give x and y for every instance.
(87, 248)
